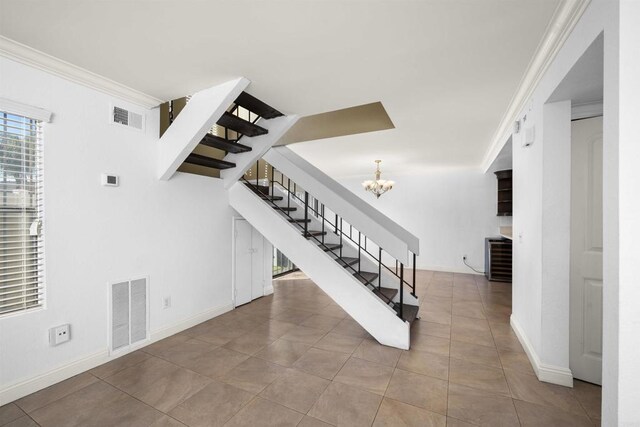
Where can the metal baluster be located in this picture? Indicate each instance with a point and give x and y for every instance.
(414, 275)
(359, 247)
(401, 290)
(379, 267)
(341, 233)
(272, 178)
(322, 210)
(306, 213)
(336, 223)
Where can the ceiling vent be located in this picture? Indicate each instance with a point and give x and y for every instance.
(123, 117)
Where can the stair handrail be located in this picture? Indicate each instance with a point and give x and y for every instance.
(381, 229)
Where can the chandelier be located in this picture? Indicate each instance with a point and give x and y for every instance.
(378, 186)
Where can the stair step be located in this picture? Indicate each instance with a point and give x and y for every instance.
(299, 220)
(332, 247)
(346, 260)
(224, 144)
(366, 277)
(272, 198)
(386, 294)
(286, 209)
(254, 105)
(310, 233)
(209, 162)
(409, 312)
(239, 125)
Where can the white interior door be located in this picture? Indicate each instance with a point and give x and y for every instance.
(257, 265)
(586, 250)
(243, 232)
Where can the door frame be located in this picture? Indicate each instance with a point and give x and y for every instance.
(234, 220)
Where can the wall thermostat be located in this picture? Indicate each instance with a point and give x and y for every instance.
(109, 180)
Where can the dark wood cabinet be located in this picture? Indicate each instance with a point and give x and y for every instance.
(505, 192)
(497, 259)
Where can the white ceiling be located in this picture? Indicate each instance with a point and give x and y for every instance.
(445, 70)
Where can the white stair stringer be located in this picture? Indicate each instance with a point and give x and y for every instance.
(376, 317)
(259, 145)
(202, 111)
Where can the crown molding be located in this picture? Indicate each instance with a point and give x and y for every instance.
(34, 58)
(564, 19)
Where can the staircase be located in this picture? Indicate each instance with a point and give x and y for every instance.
(356, 255)
(367, 281)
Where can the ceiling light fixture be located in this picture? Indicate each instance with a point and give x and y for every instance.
(378, 186)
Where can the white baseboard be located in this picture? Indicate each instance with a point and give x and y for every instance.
(23, 388)
(463, 269)
(268, 290)
(547, 373)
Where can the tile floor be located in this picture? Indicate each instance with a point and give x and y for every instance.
(296, 358)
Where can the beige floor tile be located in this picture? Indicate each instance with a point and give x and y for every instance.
(304, 334)
(342, 405)
(250, 343)
(430, 344)
(283, 352)
(294, 316)
(338, 342)
(435, 315)
(214, 405)
(24, 421)
(119, 364)
(366, 375)
(10, 412)
(532, 415)
(516, 361)
(221, 335)
(322, 363)
(373, 351)
(262, 412)
(296, 390)
(322, 322)
(528, 388)
(97, 405)
(418, 390)
(308, 421)
(454, 422)
(475, 353)
(163, 389)
(478, 376)
(253, 375)
(467, 308)
(167, 421)
(423, 327)
(480, 407)
(351, 328)
(217, 362)
(393, 413)
(57, 391)
(182, 354)
(274, 328)
(471, 335)
(589, 396)
(158, 347)
(424, 363)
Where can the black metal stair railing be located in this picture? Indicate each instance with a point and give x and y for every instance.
(333, 223)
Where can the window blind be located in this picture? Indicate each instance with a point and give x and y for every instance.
(21, 214)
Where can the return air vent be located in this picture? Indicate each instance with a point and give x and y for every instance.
(127, 118)
(129, 313)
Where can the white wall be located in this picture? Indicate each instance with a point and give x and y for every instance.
(178, 232)
(540, 303)
(451, 211)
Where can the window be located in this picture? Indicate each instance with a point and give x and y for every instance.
(21, 214)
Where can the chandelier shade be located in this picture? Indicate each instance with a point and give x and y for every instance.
(378, 186)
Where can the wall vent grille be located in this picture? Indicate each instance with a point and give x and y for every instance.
(124, 117)
(129, 313)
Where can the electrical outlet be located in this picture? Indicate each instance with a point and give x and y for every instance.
(59, 334)
(166, 302)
